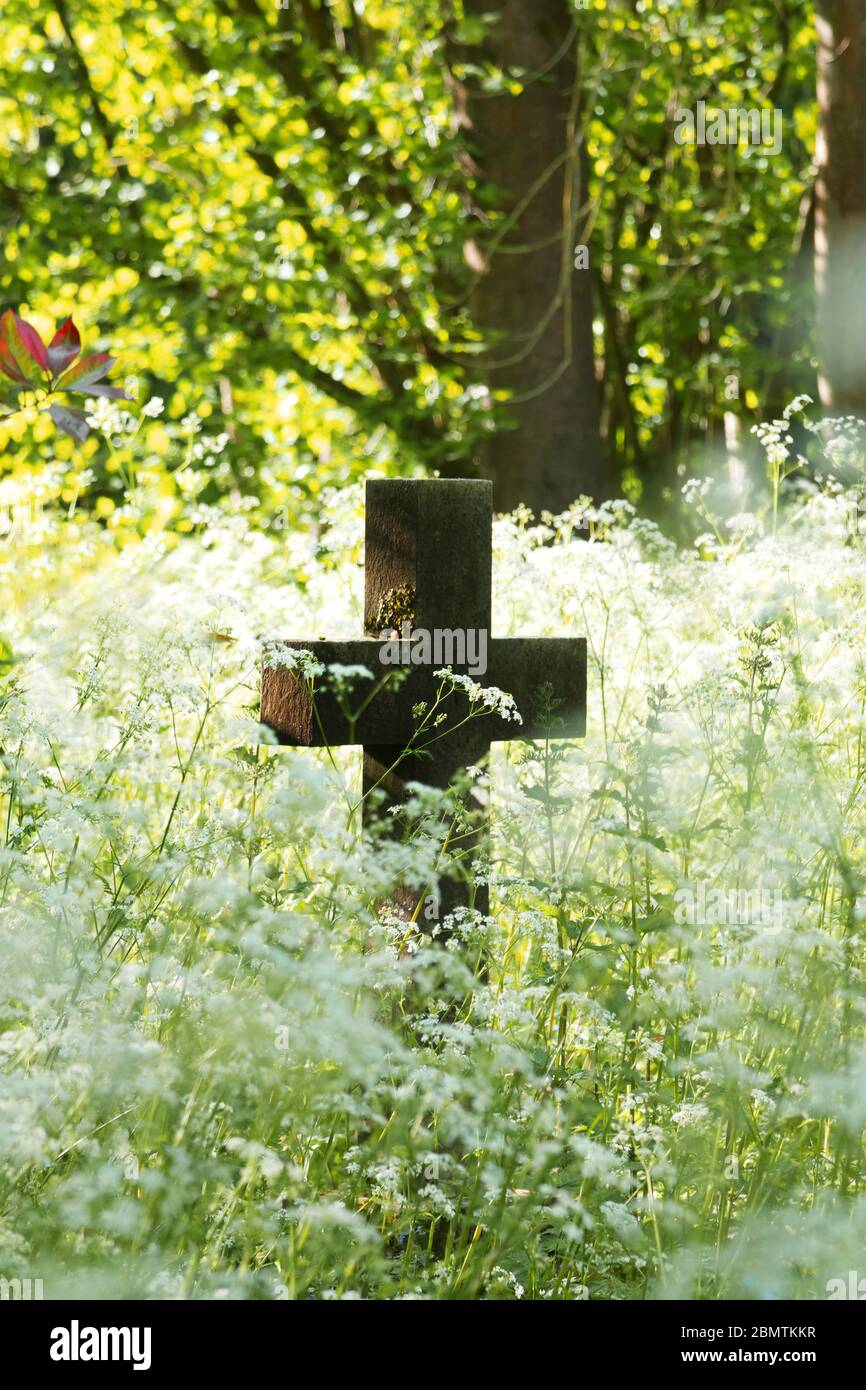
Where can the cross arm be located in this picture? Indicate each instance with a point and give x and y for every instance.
(521, 666)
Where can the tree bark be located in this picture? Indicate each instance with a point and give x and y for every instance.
(840, 210)
(530, 303)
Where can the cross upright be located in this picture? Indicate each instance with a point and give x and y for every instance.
(428, 564)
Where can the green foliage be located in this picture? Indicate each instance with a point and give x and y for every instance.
(705, 275)
(255, 213)
(264, 210)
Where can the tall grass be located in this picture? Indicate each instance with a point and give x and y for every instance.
(227, 1073)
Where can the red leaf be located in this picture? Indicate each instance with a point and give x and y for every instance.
(10, 366)
(31, 342)
(114, 393)
(72, 422)
(15, 347)
(89, 369)
(64, 347)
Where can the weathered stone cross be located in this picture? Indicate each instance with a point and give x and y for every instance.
(428, 563)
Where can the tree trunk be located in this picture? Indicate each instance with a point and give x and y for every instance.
(531, 304)
(840, 212)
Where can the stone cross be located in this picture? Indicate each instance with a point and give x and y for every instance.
(427, 570)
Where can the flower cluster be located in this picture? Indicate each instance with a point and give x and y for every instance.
(489, 697)
(242, 1054)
